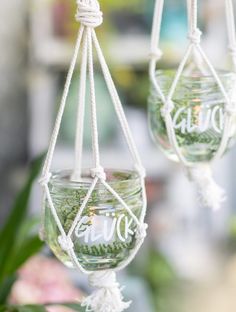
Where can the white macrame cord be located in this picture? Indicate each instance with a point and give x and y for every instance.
(204, 65)
(108, 297)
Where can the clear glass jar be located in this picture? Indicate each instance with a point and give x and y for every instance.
(198, 114)
(105, 234)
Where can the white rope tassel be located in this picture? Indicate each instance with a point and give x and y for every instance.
(211, 194)
(107, 297)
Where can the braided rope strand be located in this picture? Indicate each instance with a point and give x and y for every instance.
(76, 176)
(52, 144)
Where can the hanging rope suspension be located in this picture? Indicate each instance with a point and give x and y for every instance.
(108, 297)
(200, 174)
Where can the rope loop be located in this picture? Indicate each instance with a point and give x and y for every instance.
(232, 50)
(141, 231)
(231, 109)
(89, 15)
(195, 36)
(167, 108)
(65, 243)
(98, 173)
(45, 179)
(106, 279)
(156, 54)
(140, 170)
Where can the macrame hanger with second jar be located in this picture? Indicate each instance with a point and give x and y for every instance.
(192, 109)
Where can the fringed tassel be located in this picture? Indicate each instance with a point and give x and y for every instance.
(211, 194)
(107, 297)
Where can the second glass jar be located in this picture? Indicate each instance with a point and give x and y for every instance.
(198, 115)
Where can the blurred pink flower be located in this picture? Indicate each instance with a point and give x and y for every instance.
(43, 280)
(59, 309)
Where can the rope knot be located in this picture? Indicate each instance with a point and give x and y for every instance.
(167, 108)
(44, 180)
(89, 15)
(141, 231)
(99, 173)
(231, 109)
(195, 36)
(232, 50)
(42, 234)
(156, 54)
(107, 297)
(65, 243)
(140, 170)
(103, 279)
(210, 194)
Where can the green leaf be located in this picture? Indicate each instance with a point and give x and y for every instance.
(30, 247)
(17, 216)
(6, 309)
(74, 306)
(6, 288)
(28, 228)
(39, 308)
(32, 308)
(26, 308)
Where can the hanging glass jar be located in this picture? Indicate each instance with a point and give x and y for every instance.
(105, 233)
(192, 110)
(94, 220)
(198, 115)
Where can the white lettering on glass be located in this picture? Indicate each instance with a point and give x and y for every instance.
(189, 120)
(101, 228)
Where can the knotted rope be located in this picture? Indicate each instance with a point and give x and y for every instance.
(99, 173)
(141, 231)
(210, 193)
(108, 297)
(230, 21)
(89, 15)
(65, 243)
(204, 185)
(195, 36)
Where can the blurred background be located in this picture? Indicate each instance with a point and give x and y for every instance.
(188, 262)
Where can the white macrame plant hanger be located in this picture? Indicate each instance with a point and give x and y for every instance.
(211, 194)
(107, 297)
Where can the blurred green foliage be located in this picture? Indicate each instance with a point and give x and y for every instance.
(18, 237)
(160, 277)
(18, 242)
(116, 8)
(232, 227)
(133, 85)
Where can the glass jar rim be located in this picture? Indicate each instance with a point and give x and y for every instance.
(121, 176)
(198, 76)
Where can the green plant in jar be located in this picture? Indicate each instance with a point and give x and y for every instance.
(105, 233)
(192, 109)
(94, 220)
(198, 115)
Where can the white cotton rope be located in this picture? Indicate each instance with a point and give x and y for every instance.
(107, 297)
(76, 176)
(230, 19)
(210, 194)
(206, 185)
